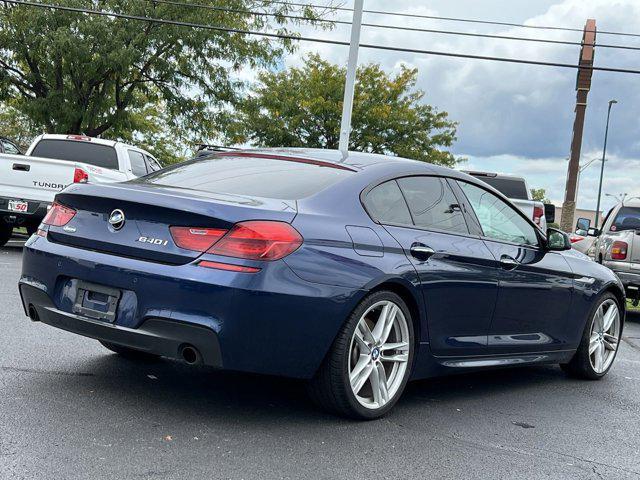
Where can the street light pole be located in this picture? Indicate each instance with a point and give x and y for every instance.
(604, 153)
(349, 86)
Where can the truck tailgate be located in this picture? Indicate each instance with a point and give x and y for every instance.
(33, 178)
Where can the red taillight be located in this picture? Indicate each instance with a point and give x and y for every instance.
(196, 239)
(80, 176)
(575, 238)
(58, 215)
(228, 266)
(619, 250)
(258, 240)
(538, 213)
(80, 138)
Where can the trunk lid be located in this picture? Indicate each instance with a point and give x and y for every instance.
(149, 210)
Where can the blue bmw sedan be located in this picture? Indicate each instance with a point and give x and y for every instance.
(356, 272)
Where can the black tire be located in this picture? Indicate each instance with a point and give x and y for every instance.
(330, 388)
(31, 229)
(130, 353)
(580, 365)
(5, 233)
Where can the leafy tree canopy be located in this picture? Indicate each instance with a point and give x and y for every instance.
(302, 107)
(540, 195)
(67, 72)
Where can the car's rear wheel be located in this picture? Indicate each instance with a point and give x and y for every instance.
(5, 233)
(369, 363)
(127, 352)
(600, 341)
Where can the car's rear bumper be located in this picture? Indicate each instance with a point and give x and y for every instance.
(155, 335)
(629, 276)
(269, 322)
(37, 210)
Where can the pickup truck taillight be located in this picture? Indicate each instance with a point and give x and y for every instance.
(58, 215)
(80, 176)
(619, 250)
(538, 213)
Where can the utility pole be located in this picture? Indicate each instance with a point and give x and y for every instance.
(604, 154)
(349, 86)
(583, 85)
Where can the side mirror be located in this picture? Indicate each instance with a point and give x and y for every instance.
(557, 240)
(583, 224)
(550, 212)
(593, 232)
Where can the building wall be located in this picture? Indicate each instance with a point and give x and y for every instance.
(580, 213)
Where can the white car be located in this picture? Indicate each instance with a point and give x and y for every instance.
(28, 183)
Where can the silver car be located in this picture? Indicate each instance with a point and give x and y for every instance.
(617, 245)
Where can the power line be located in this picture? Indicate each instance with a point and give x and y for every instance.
(388, 27)
(314, 39)
(449, 19)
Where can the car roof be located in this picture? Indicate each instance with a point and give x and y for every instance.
(355, 161)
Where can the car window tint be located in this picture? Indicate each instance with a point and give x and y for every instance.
(282, 179)
(433, 204)
(628, 218)
(138, 165)
(498, 219)
(515, 188)
(386, 204)
(77, 151)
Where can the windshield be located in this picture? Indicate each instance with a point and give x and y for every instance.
(628, 218)
(77, 151)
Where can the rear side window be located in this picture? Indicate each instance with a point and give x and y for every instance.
(77, 151)
(628, 218)
(386, 204)
(253, 176)
(433, 204)
(138, 165)
(513, 188)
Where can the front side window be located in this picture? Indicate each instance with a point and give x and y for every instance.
(499, 220)
(386, 204)
(138, 165)
(152, 164)
(433, 204)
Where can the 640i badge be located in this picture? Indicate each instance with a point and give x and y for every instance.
(153, 241)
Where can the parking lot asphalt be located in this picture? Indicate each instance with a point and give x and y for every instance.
(69, 409)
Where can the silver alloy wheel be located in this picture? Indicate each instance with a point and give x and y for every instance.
(605, 336)
(379, 354)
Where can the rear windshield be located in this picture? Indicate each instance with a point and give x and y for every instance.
(77, 151)
(252, 176)
(628, 218)
(514, 188)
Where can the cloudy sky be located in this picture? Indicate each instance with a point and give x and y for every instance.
(517, 118)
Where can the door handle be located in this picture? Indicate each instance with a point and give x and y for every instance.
(21, 167)
(508, 262)
(421, 252)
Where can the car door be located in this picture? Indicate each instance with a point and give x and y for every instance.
(536, 285)
(456, 269)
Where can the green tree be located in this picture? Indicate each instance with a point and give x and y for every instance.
(302, 107)
(16, 126)
(540, 195)
(68, 72)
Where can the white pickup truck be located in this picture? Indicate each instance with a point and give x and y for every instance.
(516, 190)
(29, 182)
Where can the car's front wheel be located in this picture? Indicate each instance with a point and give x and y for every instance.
(600, 340)
(369, 363)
